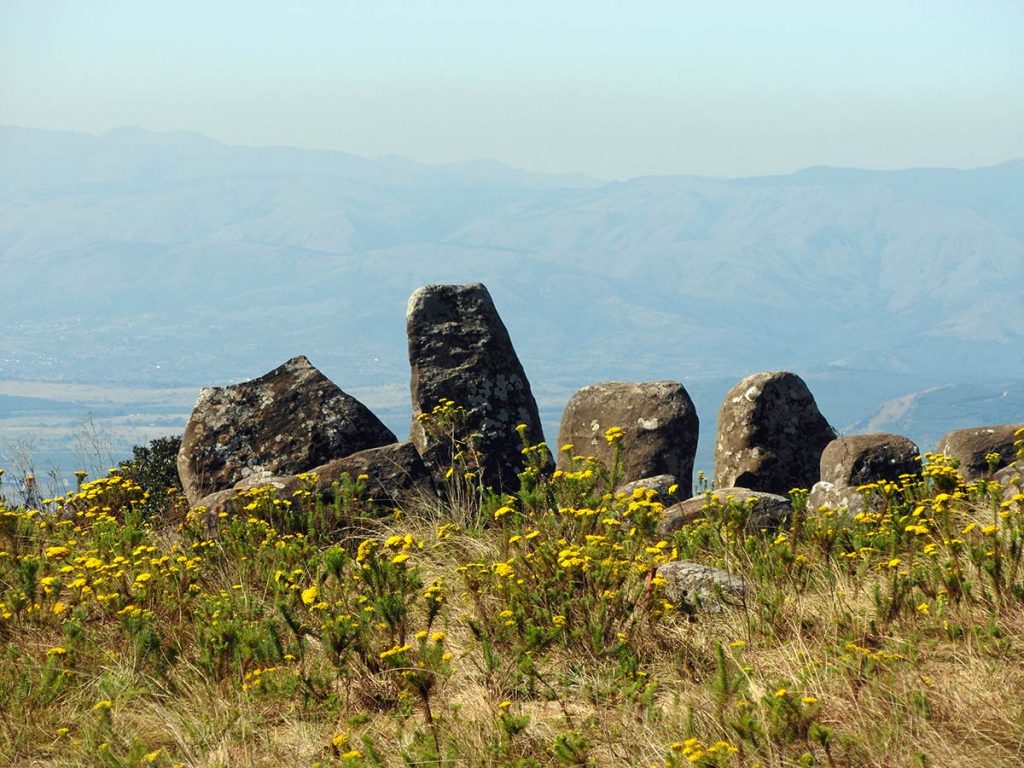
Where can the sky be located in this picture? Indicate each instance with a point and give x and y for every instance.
(610, 89)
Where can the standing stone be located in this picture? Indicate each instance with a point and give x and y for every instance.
(290, 420)
(770, 435)
(658, 420)
(460, 350)
(971, 446)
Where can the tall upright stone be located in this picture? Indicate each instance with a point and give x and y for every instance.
(770, 435)
(285, 422)
(659, 423)
(460, 350)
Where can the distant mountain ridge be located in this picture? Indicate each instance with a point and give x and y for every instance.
(173, 260)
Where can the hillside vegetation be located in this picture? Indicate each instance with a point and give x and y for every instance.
(526, 630)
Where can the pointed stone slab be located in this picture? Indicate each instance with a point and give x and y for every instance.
(459, 349)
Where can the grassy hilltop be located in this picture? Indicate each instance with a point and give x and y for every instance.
(525, 630)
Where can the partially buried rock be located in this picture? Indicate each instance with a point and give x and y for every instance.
(283, 423)
(666, 488)
(850, 462)
(460, 350)
(702, 587)
(1011, 479)
(763, 511)
(390, 475)
(393, 473)
(863, 459)
(973, 447)
(659, 424)
(770, 435)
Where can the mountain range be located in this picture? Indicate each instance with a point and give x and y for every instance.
(167, 261)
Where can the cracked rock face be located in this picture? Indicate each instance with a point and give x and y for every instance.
(659, 422)
(770, 435)
(970, 446)
(285, 422)
(459, 349)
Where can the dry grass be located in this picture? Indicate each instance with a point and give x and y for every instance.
(819, 668)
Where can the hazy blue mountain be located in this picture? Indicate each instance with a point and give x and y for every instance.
(170, 260)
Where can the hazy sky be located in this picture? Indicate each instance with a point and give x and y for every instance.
(613, 89)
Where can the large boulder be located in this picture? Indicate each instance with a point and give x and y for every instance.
(863, 459)
(659, 423)
(283, 423)
(770, 435)
(459, 350)
(849, 462)
(971, 446)
(765, 511)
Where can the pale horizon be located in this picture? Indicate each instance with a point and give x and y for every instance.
(591, 88)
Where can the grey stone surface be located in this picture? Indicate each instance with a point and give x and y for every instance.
(282, 423)
(660, 484)
(395, 472)
(1011, 478)
(768, 511)
(705, 588)
(770, 435)
(658, 419)
(970, 446)
(825, 494)
(459, 349)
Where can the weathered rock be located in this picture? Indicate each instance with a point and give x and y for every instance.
(660, 484)
(767, 512)
(825, 494)
(849, 462)
(459, 349)
(1011, 478)
(863, 459)
(770, 435)
(394, 473)
(215, 503)
(658, 420)
(971, 446)
(701, 586)
(289, 420)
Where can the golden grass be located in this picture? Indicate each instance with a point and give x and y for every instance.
(838, 658)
